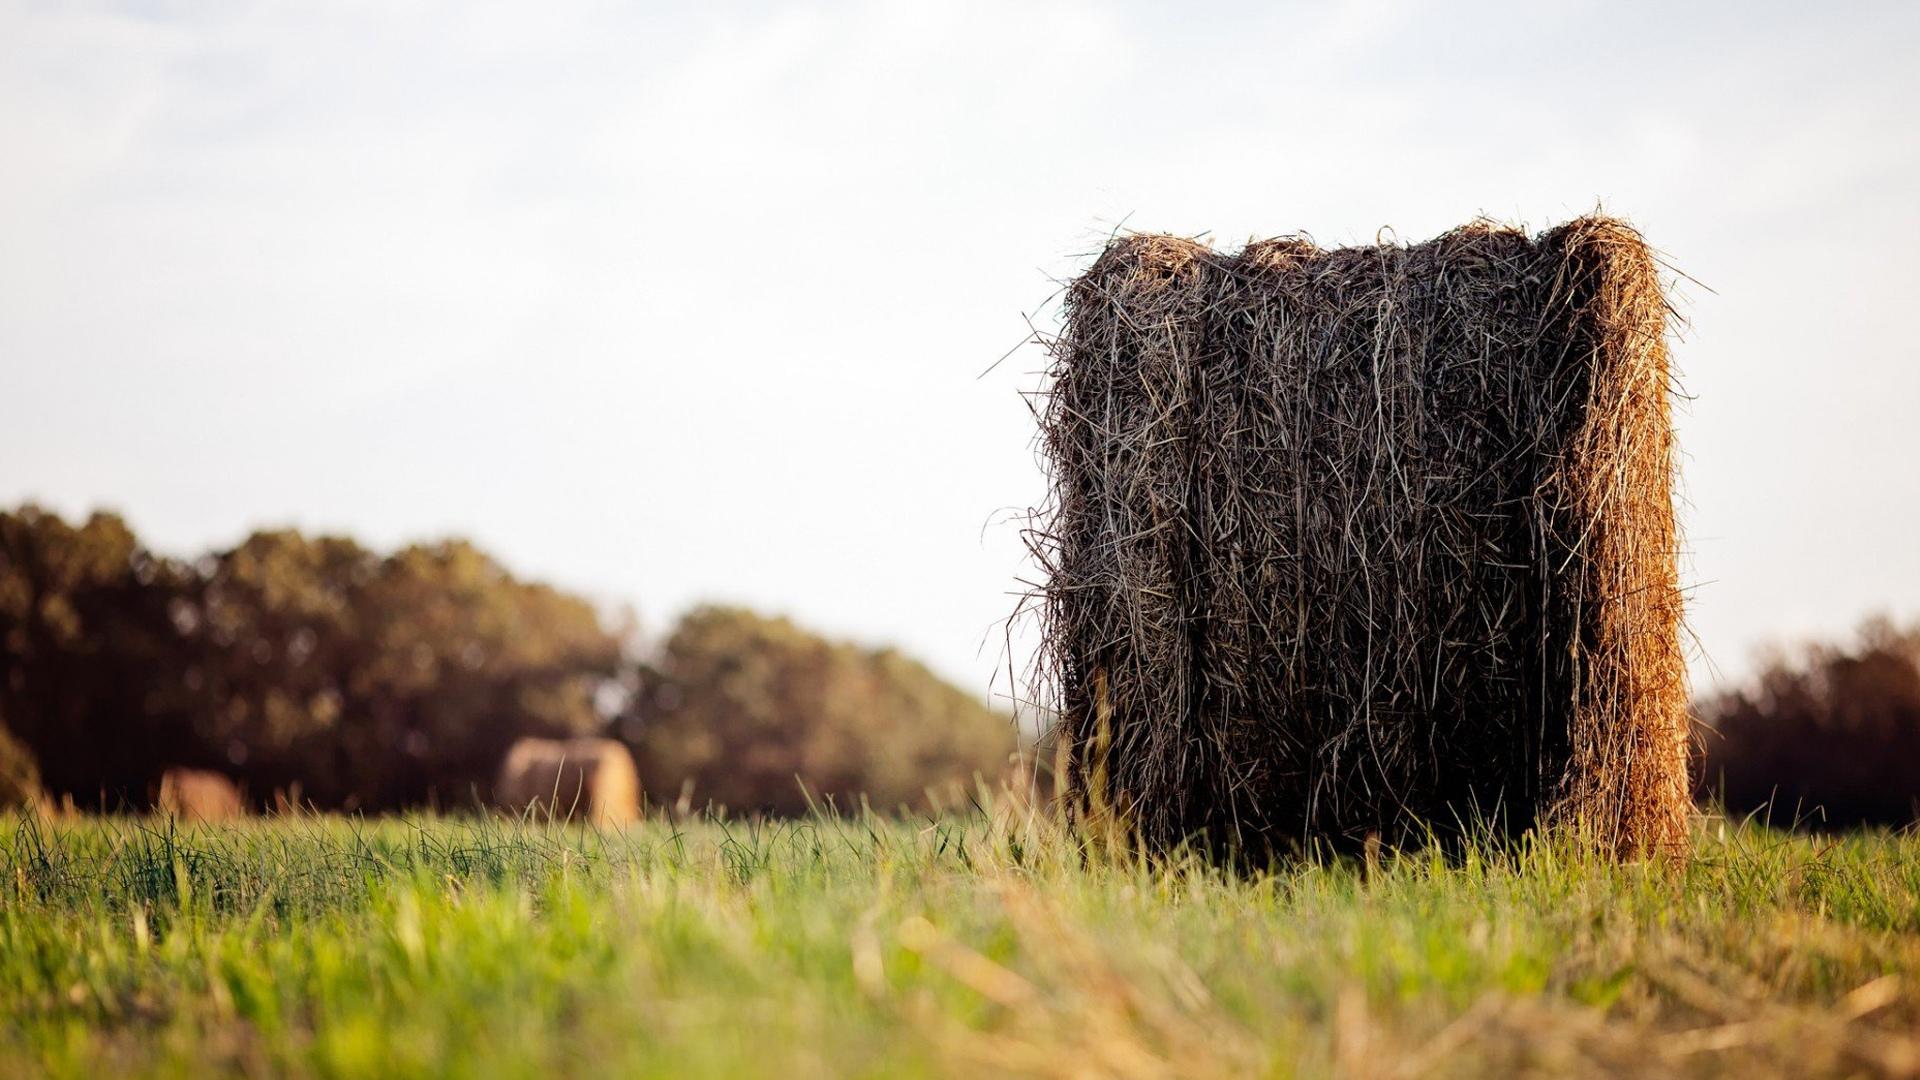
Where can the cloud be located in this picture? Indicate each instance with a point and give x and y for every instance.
(678, 301)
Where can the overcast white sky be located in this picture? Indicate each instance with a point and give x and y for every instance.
(669, 303)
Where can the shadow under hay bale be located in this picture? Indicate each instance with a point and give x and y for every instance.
(1368, 541)
(198, 795)
(587, 779)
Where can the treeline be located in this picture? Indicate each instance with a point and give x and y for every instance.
(1825, 738)
(313, 669)
(316, 670)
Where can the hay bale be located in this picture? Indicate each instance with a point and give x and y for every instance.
(198, 795)
(1368, 541)
(585, 779)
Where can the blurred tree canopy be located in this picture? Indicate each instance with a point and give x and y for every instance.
(313, 667)
(743, 709)
(291, 663)
(1829, 738)
(374, 682)
(89, 663)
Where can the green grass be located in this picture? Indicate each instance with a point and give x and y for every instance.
(872, 947)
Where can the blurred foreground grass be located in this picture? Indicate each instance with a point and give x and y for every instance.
(875, 947)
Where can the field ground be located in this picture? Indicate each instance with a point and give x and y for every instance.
(873, 947)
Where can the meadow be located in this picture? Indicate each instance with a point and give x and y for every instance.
(959, 945)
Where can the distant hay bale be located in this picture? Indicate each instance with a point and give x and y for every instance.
(198, 795)
(1368, 541)
(586, 779)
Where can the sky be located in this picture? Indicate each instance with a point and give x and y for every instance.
(676, 303)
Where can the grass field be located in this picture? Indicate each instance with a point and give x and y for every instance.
(871, 947)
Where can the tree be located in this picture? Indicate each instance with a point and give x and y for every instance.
(459, 659)
(272, 629)
(1826, 739)
(289, 663)
(89, 668)
(376, 683)
(745, 709)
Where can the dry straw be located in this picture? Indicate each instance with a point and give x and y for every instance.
(1368, 542)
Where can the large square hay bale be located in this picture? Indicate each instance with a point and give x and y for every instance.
(1368, 541)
